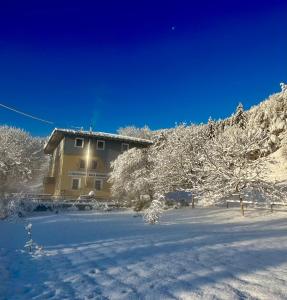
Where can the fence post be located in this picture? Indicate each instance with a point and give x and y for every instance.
(241, 206)
(192, 201)
(271, 207)
(227, 206)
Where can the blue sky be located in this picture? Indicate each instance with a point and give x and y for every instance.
(117, 63)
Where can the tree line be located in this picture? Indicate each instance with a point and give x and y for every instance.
(212, 160)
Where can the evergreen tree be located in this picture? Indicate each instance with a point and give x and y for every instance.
(239, 118)
(211, 128)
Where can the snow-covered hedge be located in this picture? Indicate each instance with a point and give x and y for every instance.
(17, 206)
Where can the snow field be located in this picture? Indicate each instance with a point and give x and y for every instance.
(190, 254)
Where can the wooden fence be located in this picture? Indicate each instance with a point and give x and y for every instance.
(244, 204)
(41, 202)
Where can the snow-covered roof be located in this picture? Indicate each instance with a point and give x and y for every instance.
(58, 133)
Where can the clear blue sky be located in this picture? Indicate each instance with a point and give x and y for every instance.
(115, 63)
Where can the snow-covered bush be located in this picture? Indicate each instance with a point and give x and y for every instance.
(11, 207)
(152, 214)
(17, 205)
(32, 247)
(265, 193)
(143, 203)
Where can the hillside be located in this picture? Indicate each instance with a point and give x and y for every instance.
(269, 116)
(277, 166)
(242, 153)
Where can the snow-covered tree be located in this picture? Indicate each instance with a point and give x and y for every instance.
(232, 162)
(144, 132)
(239, 118)
(283, 87)
(130, 176)
(21, 159)
(178, 161)
(211, 128)
(271, 117)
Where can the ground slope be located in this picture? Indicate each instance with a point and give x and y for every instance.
(277, 166)
(192, 254)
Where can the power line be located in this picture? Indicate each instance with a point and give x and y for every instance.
(27, 115)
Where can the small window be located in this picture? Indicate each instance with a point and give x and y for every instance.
(82, 164)
(125, 147)
(76, 183)
(94, 165)
(100, 145)
(79, 142)
(98, 184)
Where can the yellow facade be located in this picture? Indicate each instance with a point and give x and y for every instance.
(69, 168)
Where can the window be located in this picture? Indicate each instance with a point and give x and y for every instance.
(79, 142)
(82, 164)
(100, 145)
(125, 147)
(76, 183)
(94, 164)
(98, 184)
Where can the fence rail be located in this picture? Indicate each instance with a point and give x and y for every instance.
(244, 204)
(51, 198)
(44, 202)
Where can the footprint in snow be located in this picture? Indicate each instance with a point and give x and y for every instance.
(94, 271)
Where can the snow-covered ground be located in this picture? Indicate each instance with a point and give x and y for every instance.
(191, 254)
(277, 166)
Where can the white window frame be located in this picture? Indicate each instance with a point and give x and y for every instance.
(79, 185)
(104, 143)
(126, 145)
(83, 141)
(102, 183)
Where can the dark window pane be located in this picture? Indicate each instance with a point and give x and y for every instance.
(82, 164)
(75, 184)
(79, 142)
(100, 145)
(98, 185)
(94, 164)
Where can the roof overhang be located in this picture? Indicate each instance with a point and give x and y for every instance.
(58, 134)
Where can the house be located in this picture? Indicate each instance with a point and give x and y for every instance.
(80, 161)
